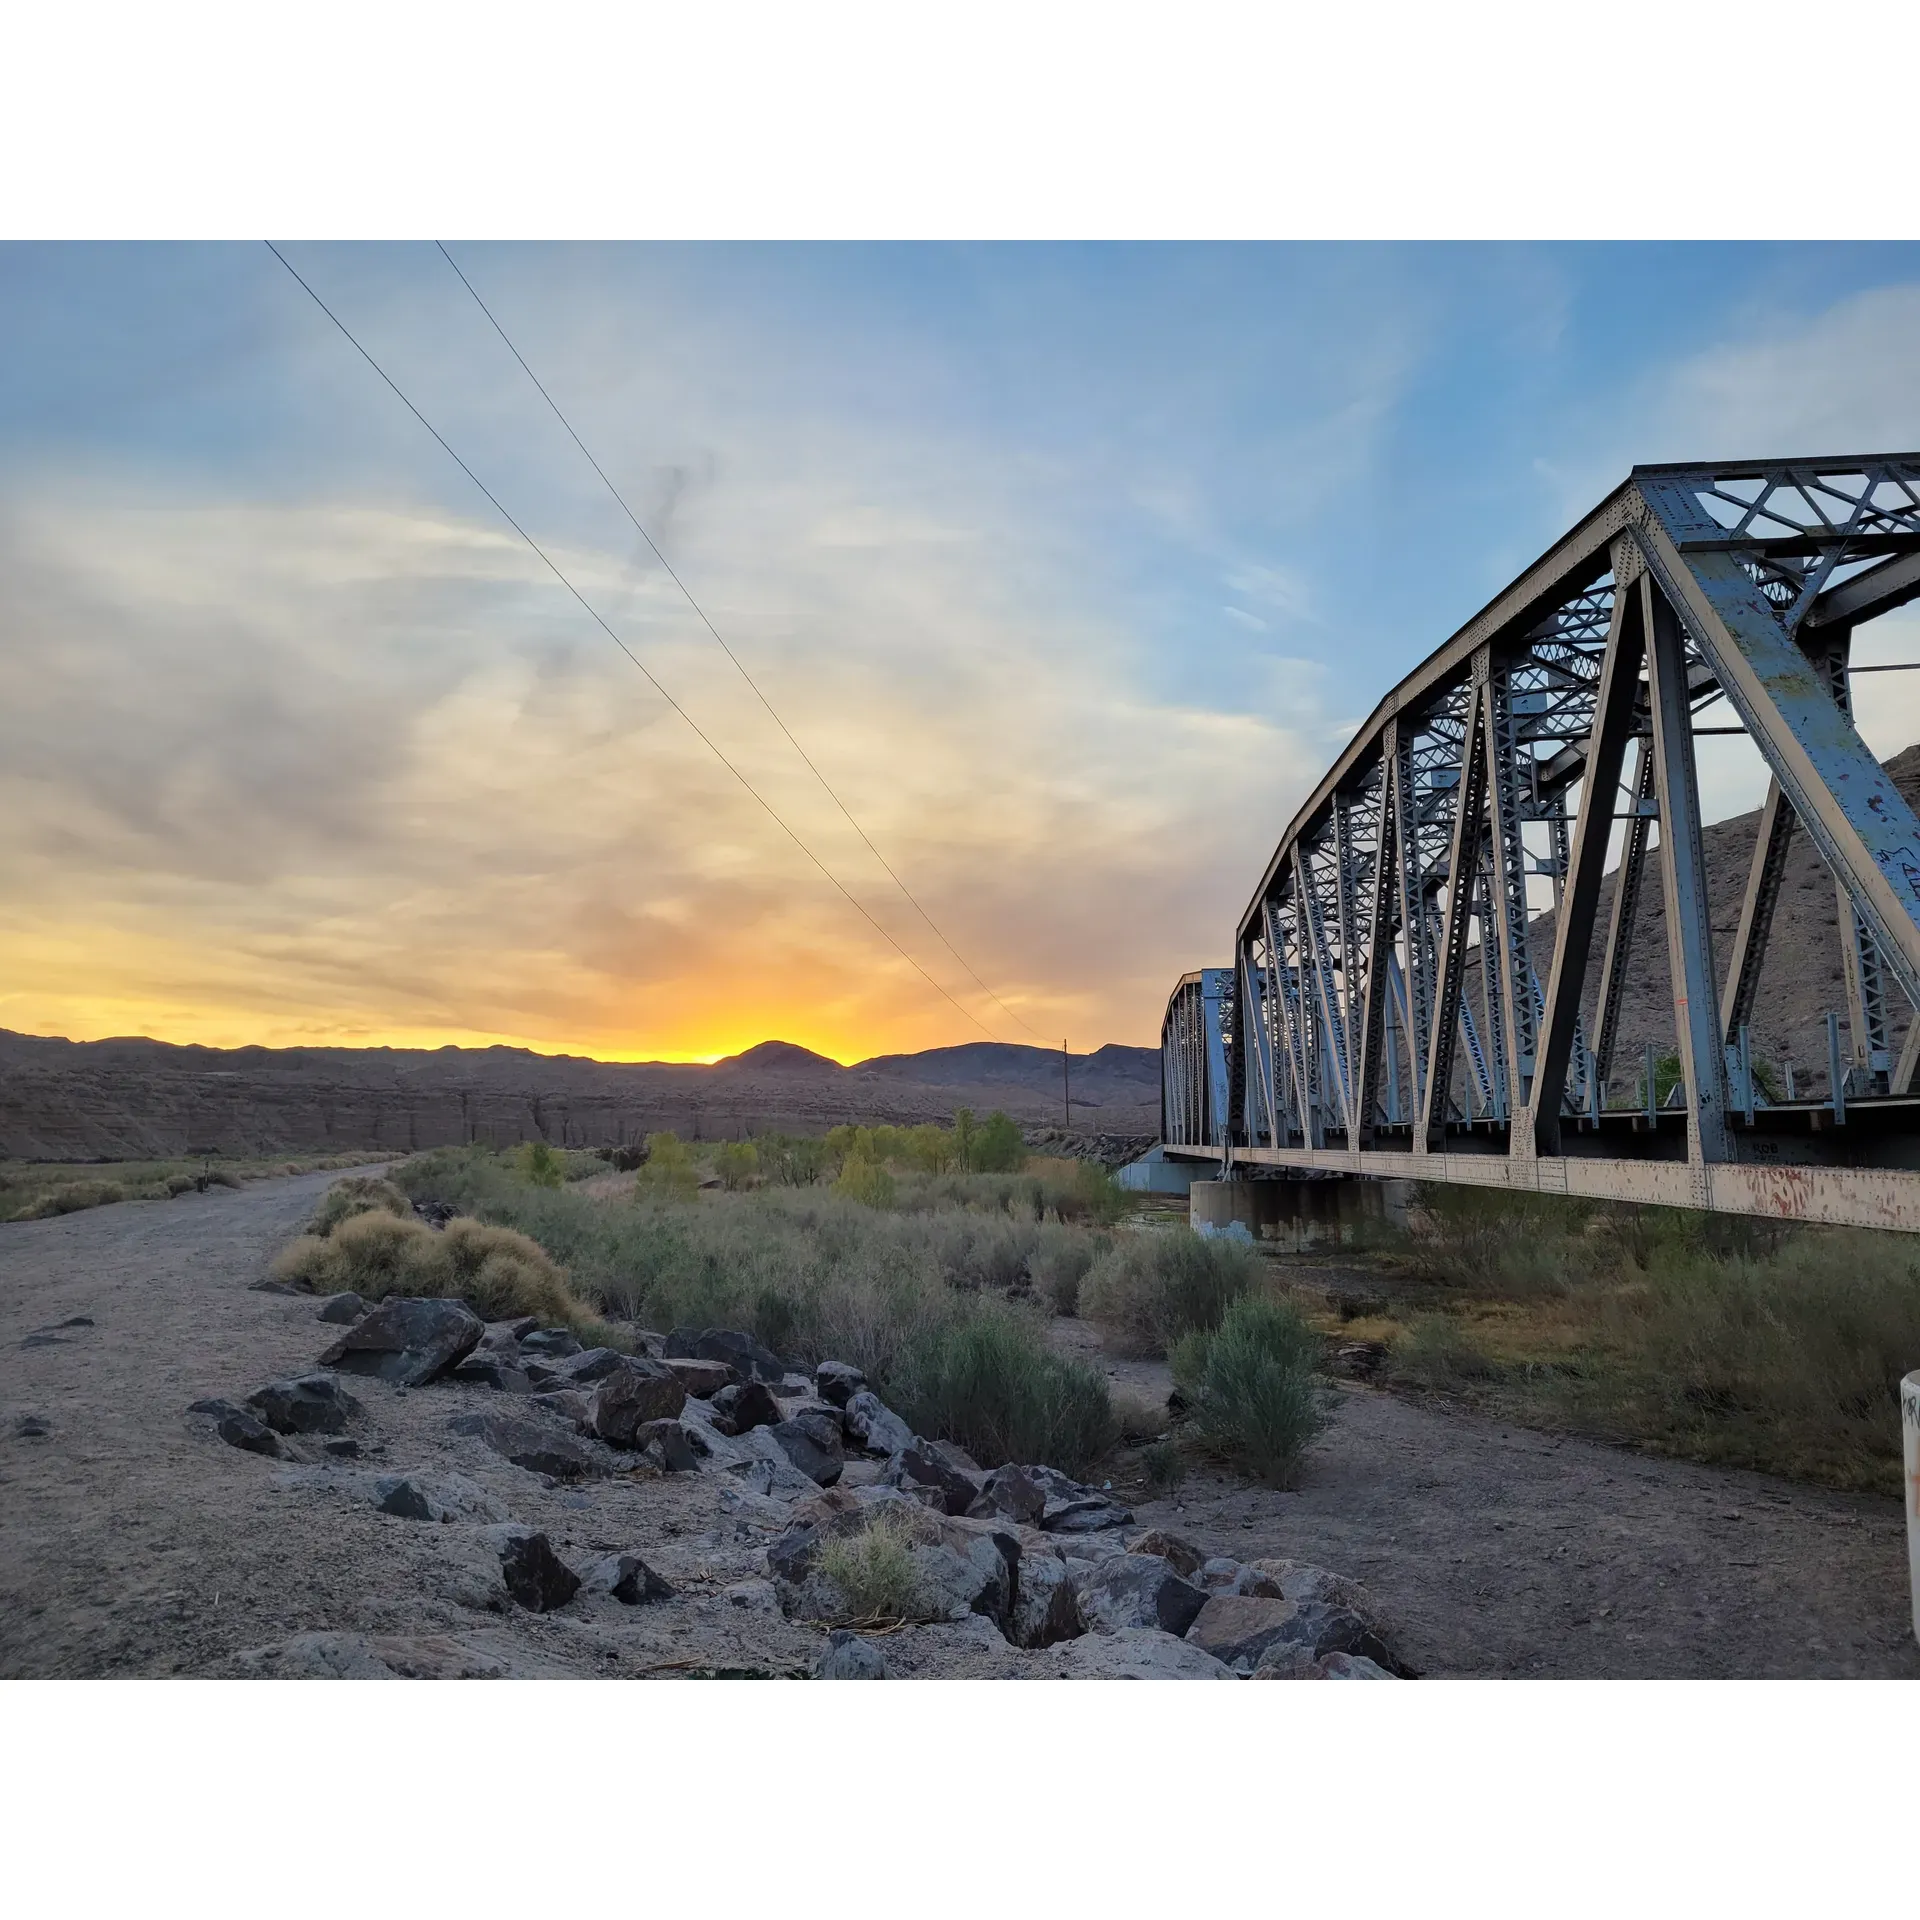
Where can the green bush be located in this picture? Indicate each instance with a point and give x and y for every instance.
(1149, 1288)
(1253, 1386)
(1058, 1264)
(736, 1163)
(875, 1573)
(865, 1181)
(988, 1384)
(998, 1147)
(541, 1165)
(357, 1194)
(669, 1172)
(1164, 1465)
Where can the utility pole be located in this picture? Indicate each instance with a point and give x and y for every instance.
(1066, 1084)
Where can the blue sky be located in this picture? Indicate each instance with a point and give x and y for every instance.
(1071, 565)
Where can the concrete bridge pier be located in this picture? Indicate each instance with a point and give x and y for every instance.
(1299, 1214)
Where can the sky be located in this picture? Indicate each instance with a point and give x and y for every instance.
(1070, 567)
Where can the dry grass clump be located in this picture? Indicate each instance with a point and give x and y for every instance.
(1149, 1289)
(357, 1194)
(497, 1271)
(875, 1573)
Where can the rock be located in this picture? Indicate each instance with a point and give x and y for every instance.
(1239, 1628)
(1138, 1590)
(342, 1309)
(536, 1576)
(627, 1578)
(343, 1449)
(1220, 1575)
(1287, 1660)
(1045, 1607)
(1358, 1359)
(1012, 1493)
(752, 1596)
(640, 1391)
(583, 1369)
(746, 1405)
(557, 1343)
(1135, 1653)
(771, 1475)
(919, 1464)
(407, 1342)
(1299, 1581)
(241, 1429)
(319, 1656)
(875, 1426)
(313, 1403)
(572, 1404)
(958, 1458)
(677, 1448)
(482, 1369)
(411, 1497)
(32, 1426)
(534, 1445)
(741, 1351)
(701, 1378)
(1178, 1552)
(848, 1657)
(812, 1442)
(509, 1333)
(1089, 1514)
(836, 1382)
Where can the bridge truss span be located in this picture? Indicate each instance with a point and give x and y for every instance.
(1433, 975)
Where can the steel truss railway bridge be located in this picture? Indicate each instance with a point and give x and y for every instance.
(1421, 986)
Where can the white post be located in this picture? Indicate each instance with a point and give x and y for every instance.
(1910, 1434)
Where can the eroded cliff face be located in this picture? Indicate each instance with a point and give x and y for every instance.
(111, 1099)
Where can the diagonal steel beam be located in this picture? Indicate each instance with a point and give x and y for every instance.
(1463, 861)
(1613, 717)
(1373, 1013)
(1683, 873)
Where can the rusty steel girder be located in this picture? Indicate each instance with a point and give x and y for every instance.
(1395, 1005)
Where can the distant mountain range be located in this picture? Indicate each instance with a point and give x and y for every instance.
(117, 1099)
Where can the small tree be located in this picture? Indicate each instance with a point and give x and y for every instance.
(963, 1131)
(669, 1172)
(736, 1163)
(998, 1147)
(542, 1165)
(866, 1181)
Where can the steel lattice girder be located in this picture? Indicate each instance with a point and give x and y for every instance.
(1348, 1017)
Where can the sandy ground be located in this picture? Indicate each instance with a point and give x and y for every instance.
(132, 1543)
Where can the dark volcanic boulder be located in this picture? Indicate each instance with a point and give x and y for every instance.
(583, 1369)
(812, 1442)
(921, 1465)
(875, 1425)
(343, 1309)
(837, 1382)
(628, 1579)
(407, 1342)
(1014, 1493)
(672, 1444)
(538, 1446)
(557, 1343)
(1138, 1590)
(483, 1369)
(741, 1351)
(314, 1403)
(746, 1406)
(536, 1576)
(848, 1657)
(626, 1400)
(238, 1428)
(701, 1378)
(1177, 1551)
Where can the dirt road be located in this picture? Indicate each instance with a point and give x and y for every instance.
(130, 1543)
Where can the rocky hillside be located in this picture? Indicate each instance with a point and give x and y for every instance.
(69, 1100)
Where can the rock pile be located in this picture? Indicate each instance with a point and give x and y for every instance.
(873, 1524)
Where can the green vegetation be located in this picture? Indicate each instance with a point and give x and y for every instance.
(357, 1194)
(669, 1172)
(1253, 1386)
(1163, 1464)
(1148, 1289)
(38, 1190)
(1738, 1342)
(875, 1574)
(542, 1165)
(866, 1181)
(736, 1163)
(916, 1296)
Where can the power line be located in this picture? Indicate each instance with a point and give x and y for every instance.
(739, 666)
(700, 732)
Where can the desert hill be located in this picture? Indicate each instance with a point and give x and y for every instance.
(126, 1098)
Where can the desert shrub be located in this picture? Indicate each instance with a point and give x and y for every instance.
(1139, 1415)
(1148, 1289)
(75, 1197)
(669, 1172)
(875, 1573)
(1253, 1386)
(865, 1181)
(989, 1384)
(498, 1272)
(978, 1249)
(1437, 1352)
(357, 1194)
(1511, 1246)
(179, 1183)
(1164, 1465)
(736, 1163)
(789, 1162)
(541, 1165)
(1058, 1263)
